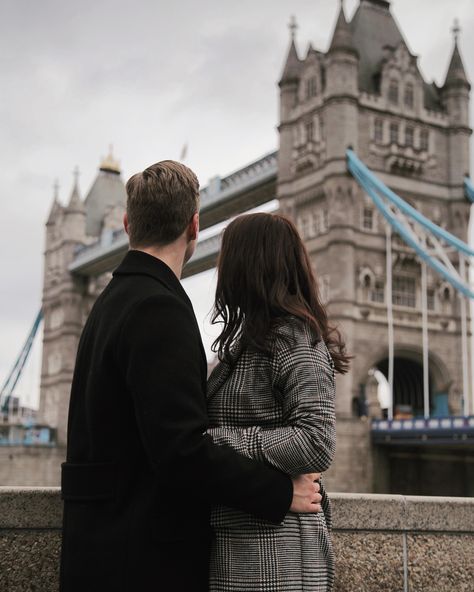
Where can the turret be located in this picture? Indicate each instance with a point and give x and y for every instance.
(456, 97)
(290, 77)
(342, 71)
(74, 214)
(288, 84)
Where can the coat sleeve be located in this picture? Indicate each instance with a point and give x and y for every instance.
(303, 375)
(159, 353)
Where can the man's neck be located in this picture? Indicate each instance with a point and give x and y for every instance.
(173, 255)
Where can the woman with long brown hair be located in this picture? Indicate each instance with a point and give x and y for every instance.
(271, 397)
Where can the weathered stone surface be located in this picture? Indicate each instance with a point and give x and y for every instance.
(368, 511)
(454, 514)
(368, 562)
(29, 561)
(441, 562)
(30, 507)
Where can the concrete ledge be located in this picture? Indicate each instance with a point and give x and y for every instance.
(353, 511)
(392, 543)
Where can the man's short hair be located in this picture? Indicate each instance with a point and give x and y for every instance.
(161, 202)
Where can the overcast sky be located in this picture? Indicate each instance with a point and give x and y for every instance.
(150, 76)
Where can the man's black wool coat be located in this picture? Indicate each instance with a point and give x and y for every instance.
(140, 475)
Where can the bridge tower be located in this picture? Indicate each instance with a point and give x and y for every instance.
(67, 299)
(367, 92)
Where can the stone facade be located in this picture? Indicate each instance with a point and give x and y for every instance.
(67, 299)
(367, 92)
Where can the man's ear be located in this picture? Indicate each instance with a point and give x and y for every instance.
(193, 228)
(125, 222)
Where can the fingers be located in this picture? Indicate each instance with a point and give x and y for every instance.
(313, 476)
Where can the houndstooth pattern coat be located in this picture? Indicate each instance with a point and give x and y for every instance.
(278, 409)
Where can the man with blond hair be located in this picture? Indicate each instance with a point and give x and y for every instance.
(141, 473)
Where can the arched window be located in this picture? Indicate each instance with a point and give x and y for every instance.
(393, 92)
(368, 219)
(394, 133)
(424, 139)
(311, 88)
(409, 95)
(378, 130)
(309, 126)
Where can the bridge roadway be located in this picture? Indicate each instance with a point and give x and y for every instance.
(246, 188)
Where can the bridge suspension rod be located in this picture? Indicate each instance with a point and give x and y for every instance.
(15, 373)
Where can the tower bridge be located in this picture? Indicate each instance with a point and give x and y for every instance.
(394, 279)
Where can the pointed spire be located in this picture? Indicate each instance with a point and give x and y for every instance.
(291, 70)
(75, 202)
(55, 207)
(456, 75)
(342, 37)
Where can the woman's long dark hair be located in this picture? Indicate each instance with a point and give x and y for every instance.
(264, 275)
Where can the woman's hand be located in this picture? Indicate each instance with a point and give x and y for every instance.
(306, 496)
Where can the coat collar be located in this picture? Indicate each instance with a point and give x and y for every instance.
(140, 263)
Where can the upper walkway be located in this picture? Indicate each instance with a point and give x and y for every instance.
(246, 188)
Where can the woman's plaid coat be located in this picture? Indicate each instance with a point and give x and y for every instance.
(278, 409)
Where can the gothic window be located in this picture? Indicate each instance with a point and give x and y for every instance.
(309, 126)
(304, 226)
(424, 140)
(368, 219)
(324, 288)
(404, 291)
(430, 295)
(393, 92)
(316, 223)
(325, 221)
(409, 135)
(378, 130)
(57, 317)
(377, 294)
(54, 363)
(394, 133)
(409, 95)
(311, 88)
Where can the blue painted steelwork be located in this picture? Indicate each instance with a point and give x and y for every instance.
(436, 430)
(27, 435)
(469, 188)
(376, 189)
(356, 165)
(15, 373)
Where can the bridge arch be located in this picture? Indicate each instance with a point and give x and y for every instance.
(408, 379)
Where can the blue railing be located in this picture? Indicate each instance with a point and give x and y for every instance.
(434, 430)
(20, 435)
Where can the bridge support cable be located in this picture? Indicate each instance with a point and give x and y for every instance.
(389, 298)
(434, 246)
(465, 359)
(424, 324)
(13, 377)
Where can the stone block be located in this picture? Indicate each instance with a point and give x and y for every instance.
(29, 561)
(369, 563)
(440, 562)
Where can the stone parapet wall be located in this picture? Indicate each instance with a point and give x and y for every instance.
(383, 543)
